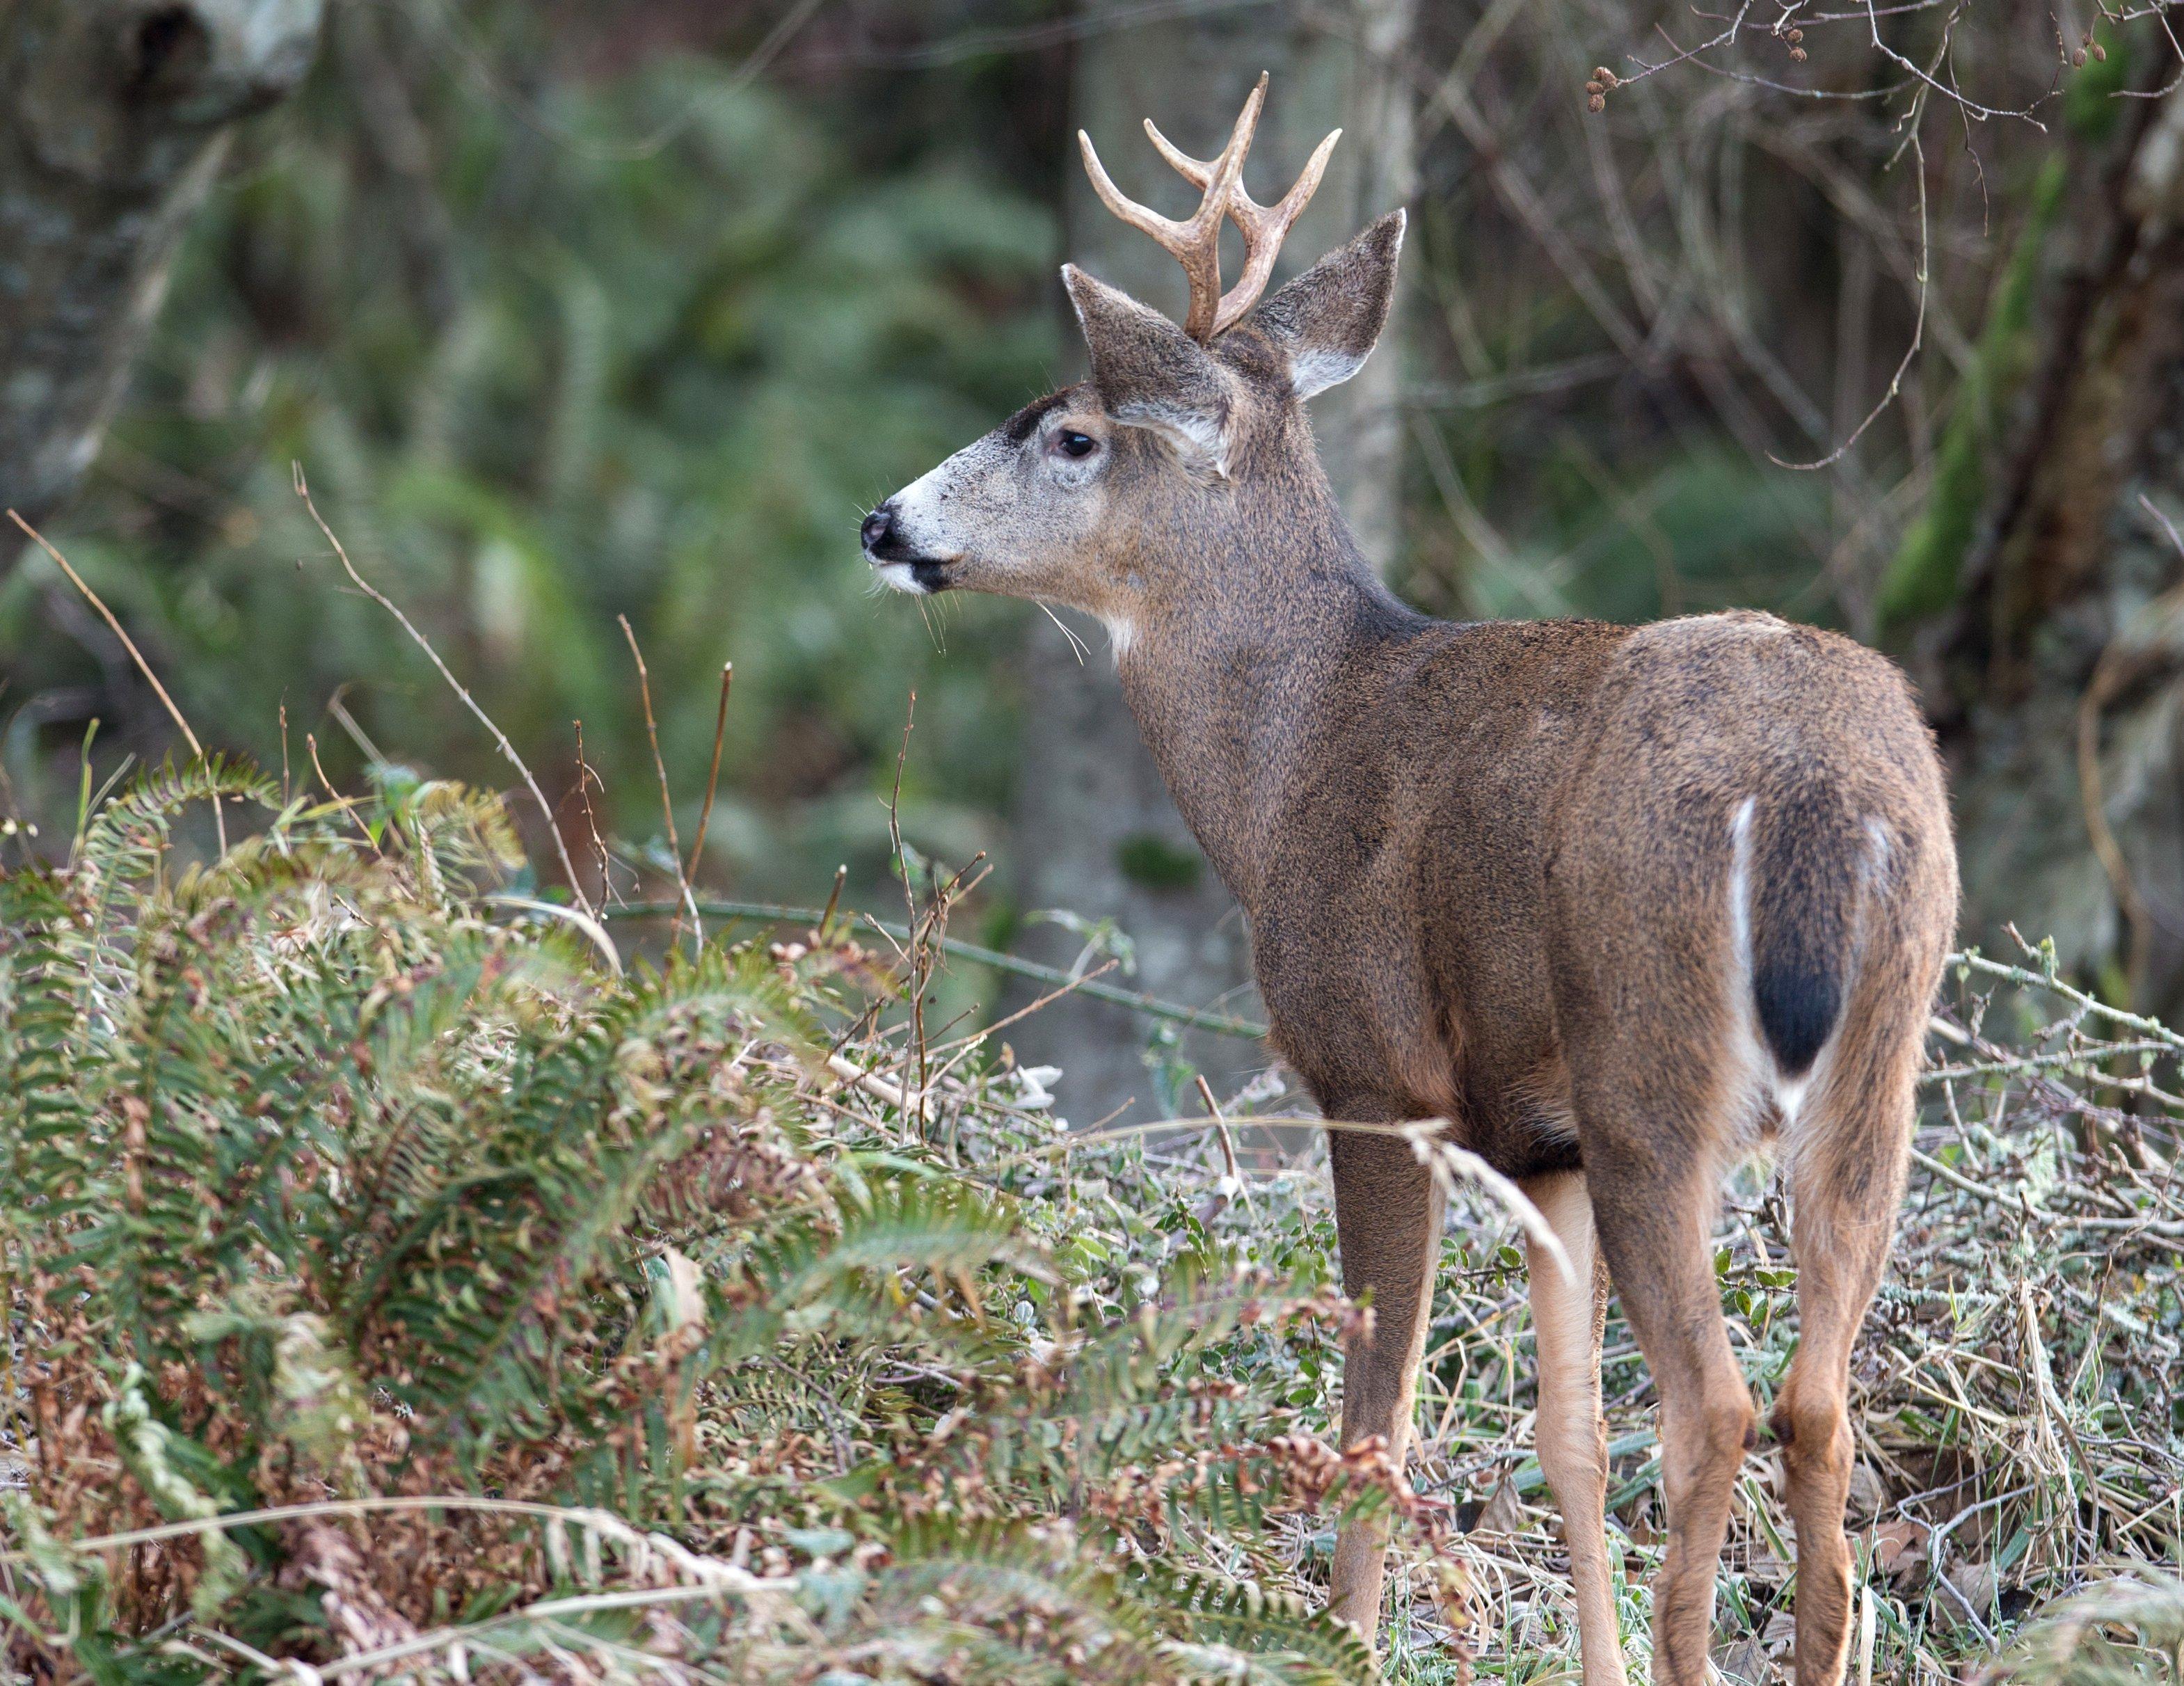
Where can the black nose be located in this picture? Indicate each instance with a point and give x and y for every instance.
(877, 525)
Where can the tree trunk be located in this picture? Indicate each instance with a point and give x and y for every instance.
(2053, 651)
(118, 114)
(1096, 835)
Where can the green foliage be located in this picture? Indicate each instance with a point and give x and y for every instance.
(1922, 580)
(1149, 859)
(537, 1310)
(331, 1192)
(644, 342)
(2128, 1632)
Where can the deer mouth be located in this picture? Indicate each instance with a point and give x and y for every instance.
(921, 576)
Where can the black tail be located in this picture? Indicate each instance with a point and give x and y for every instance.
(1805, 883)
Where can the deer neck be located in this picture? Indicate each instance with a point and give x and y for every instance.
(1228, 677)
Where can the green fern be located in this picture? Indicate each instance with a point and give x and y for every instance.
(326, 1182)
(1283, 1639)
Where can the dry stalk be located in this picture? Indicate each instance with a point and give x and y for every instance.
(666, 797)
(712, 775)
(136, 655)
(499, 737)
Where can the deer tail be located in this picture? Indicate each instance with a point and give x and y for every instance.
(1800, 865)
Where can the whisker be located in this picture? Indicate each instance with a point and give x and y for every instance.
(1076, 644)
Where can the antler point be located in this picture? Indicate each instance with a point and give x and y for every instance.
(1196, 241)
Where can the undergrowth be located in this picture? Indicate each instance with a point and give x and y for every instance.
(403, 1283)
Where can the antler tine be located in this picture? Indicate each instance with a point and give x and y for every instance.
(1264, 227)
(1195, 243)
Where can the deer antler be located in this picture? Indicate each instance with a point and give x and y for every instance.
(1196, 244)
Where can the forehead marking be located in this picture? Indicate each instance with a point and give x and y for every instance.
(1018, 427)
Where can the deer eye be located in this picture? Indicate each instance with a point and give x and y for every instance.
(1075, 444)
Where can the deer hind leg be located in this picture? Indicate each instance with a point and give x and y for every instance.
(1653, 1143)
(1567, 1320)
(1846, 1153)
(1387, 1220)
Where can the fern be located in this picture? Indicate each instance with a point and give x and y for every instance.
(1284, 1640)
(324, 1182)
(981, 1576)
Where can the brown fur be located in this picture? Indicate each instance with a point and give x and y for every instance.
(1491, 871)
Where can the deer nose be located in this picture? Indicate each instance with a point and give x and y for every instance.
(877, 527)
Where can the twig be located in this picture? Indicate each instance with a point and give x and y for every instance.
(913, 1053)
(590, 927)
(667, 799)
(584, 778)
(136, 655)
(1970, 107)
(1918, 325)
(1232, 1178)
(1685, 54)
(1448, 1162)
(713, 776)
(964, 1046)
(1153, 1007)
(499, 737)
(347, 806)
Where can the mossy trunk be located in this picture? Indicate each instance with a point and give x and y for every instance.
(116, 118)
(2037, 598)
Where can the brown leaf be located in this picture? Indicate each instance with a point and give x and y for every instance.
(1900, 1543)
(1503, 1514)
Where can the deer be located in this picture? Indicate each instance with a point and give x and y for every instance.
(1614, 906)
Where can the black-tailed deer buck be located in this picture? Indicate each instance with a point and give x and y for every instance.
(1613, 901)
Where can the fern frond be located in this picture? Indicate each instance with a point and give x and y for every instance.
(127, 836)
(52, 1145)
(1285, 1639)
(986, 1574)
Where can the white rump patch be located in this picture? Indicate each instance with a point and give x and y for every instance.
(1740, 887)
(1763, 1076)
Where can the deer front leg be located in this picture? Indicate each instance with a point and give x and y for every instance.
(1572, 1436)
(1387, 1218)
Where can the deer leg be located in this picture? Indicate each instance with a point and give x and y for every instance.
(1571, 1435)
(1845, 1182)
(1387, 1220)
(1654, 1217)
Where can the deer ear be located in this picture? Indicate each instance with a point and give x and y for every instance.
(1150, 373)
(1327, 319)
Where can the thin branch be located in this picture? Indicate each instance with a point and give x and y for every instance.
(713, 776)
(774, 912)
(1918, 328)
(136, 655)
(1686, 54)
(666, 798)
(499, 737)
(1961, 100)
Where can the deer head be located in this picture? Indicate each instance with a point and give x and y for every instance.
(1119, 494)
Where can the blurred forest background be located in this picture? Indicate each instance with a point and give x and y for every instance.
(1872, 315)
